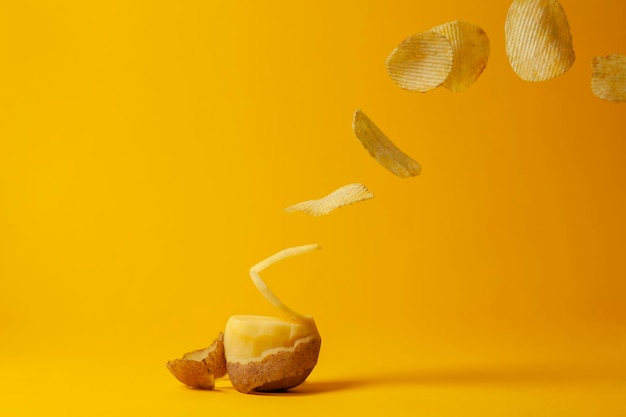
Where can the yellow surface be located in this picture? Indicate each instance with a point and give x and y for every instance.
(147, 150)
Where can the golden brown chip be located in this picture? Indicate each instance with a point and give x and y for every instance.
(348, 194)
(382, 149)
(608, 79)
(538, 39)
(470, 46)
(422, 62)
(195, 374)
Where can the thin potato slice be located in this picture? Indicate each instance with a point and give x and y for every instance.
(267, 293)
(382, 149)
(471, 53)
(608, 79)
(538, 39)
(348, 194)
(422, 62)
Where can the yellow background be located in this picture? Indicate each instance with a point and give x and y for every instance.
(148, 148)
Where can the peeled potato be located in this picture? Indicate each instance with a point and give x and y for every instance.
(608, 80)
(538, 39)
(267, 353)
(422, 62)
(470, 46)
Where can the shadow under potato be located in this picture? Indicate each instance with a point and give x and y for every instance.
(511, 376)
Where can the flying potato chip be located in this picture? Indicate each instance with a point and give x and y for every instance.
(382, 149)
(608, 79)
(422, 62)
(470, 46)
(348, 194)
(538, 39)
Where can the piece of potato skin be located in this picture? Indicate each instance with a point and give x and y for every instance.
(276, 372)
(198, 369)
(216, 361)
(195, 374)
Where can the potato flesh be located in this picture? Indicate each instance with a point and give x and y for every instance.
(198, 355)
(249, 338)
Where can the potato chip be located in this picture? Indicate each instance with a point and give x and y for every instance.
(608, 79)
(348, 194)
(422, 62)
(538, 39)
(382, 149)
(470, 46)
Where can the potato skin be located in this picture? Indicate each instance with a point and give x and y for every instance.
(194, 374)
(198, 369)
(216, 360)
(279, 371)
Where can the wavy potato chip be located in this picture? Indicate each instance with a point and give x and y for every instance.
(421, 62)
(470, 46)
(348, 194)
(538, 39)
(382, 149)
(608, 79)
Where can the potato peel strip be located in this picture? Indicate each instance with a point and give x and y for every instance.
(343, 196)
(267, 293)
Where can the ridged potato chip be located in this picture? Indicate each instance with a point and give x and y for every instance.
(608, 79)
(538, 39)
(348, 194)
(422, 62)
(382, 149)
(470, 46)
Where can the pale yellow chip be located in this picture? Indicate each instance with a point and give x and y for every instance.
(470, 46)
(382, 149)
(348, 194)
(608, 79)
(421, 63)
(538, 39)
